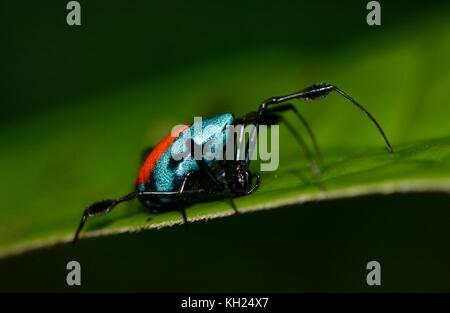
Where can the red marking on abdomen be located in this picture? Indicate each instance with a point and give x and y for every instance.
(150, 162)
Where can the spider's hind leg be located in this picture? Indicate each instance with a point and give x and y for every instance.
(273, 116)
(185, 220)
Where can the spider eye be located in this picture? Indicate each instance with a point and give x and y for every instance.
(241, 181)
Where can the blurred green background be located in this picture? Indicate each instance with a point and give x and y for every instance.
(78, 104)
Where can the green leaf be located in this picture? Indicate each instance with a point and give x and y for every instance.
(53, 165)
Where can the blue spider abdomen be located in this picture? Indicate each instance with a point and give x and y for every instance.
(168, 173)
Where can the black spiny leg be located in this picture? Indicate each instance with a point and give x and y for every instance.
(314, 92)
(306, 151)
(233, 205)
(290, 107)
(183, 187)
(185, 220)
(100, 208)
(272, 117)
(215, 185)
(311, 93)
(105, 206)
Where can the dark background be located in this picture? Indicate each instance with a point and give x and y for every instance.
(313, 247)
(46, 62)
